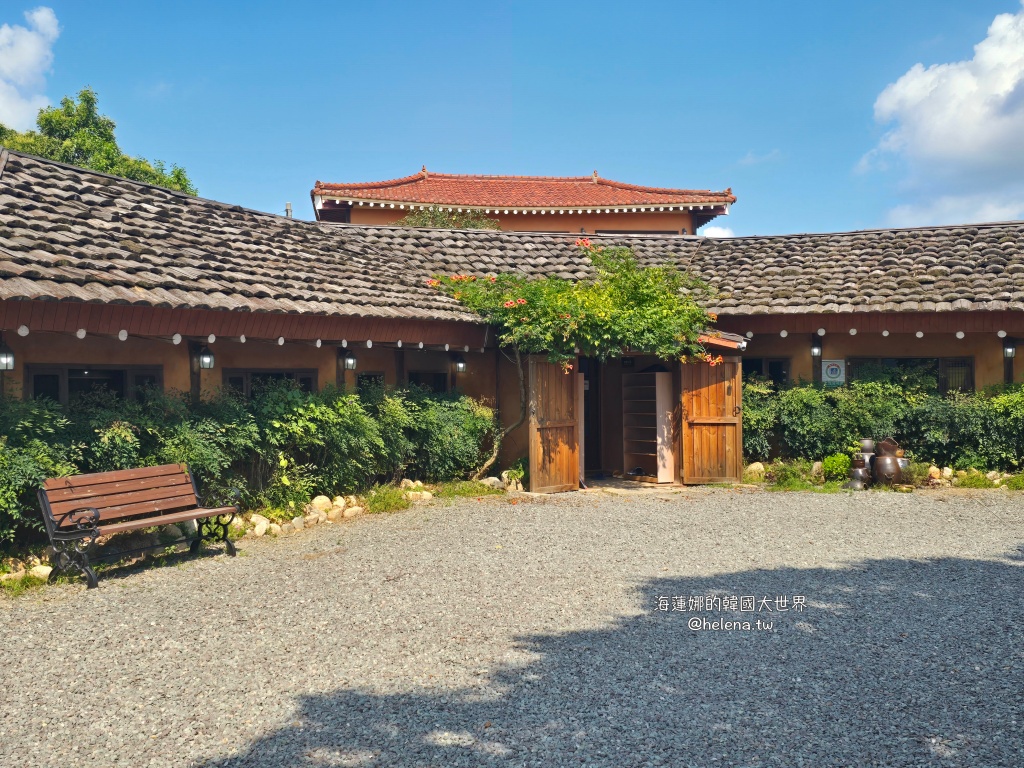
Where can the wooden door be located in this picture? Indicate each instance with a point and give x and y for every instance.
(712, 432)
(554, 429)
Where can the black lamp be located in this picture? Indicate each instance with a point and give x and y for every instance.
(205, 358)
(350, 361)
(460, 364)
(1009, 348)
(6, 356)
(815, 345)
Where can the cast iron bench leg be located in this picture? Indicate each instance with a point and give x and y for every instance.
(221, 523)
(72, 555)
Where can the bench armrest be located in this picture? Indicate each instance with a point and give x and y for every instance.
(234, 500)
(79, 523)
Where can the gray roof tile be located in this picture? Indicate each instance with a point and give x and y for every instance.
(71, 234)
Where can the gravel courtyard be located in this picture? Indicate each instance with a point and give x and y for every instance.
(544, 633)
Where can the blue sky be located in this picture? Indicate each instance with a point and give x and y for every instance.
(799, 107)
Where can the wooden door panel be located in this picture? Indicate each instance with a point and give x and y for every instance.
(554, 429)
(712, 432)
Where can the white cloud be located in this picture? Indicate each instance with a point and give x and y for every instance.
(958, 131)
(26, 55)
(717, 232)
(958, 209)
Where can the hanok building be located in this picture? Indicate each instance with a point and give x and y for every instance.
(108, 282)
(570, 204)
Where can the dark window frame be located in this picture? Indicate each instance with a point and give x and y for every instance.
(766, 363)
(246, 374)
(377, 376)
(61, 370)
(434, 373)
(942, 375)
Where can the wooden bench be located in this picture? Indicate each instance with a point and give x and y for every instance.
(78, 509)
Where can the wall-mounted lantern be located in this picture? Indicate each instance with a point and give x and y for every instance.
(6, 356)
(350, 361)
(206, 358)
(815, 346)
(460, 364)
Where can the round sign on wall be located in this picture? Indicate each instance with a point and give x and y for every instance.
(833, 372)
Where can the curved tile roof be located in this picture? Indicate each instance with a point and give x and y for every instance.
(73, 235)
(518, 191)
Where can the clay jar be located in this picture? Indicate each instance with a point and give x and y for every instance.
(860, 473)
(886, 466)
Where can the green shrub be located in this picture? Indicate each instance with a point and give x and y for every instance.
(760, 419)
(916, 473)
(836, 466)
(115, 447)
(452, 435)
(964, 430)
(281, 447)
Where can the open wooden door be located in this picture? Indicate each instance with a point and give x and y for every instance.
(712, 432)
(554, 429)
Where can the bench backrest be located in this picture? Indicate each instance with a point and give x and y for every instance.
(123, 494)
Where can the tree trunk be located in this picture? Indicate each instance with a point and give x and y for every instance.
(500, 437)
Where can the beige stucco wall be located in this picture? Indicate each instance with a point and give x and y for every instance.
(62, 349)
(665, 221)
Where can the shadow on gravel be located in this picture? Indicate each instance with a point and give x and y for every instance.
(891, 663)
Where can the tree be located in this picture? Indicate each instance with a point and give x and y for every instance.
(624, 308)
(77, 134)
(445, 218)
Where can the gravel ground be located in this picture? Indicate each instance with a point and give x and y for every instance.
(529, 634)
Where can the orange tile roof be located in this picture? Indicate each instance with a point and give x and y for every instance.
(519, 191)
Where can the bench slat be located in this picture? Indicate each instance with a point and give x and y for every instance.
(171, 517)
(173, 504)
(85, 492)
(112, 477)
(181, 488)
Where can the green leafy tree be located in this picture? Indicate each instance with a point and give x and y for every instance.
(624, 307)
(76, 133)
(445, 218)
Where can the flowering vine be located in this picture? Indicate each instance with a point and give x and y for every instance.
(621, 307)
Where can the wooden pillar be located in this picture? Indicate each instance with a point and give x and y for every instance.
(195, 374)
(399, 367)
(340, 374)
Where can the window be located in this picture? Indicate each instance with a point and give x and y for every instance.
(435, 381)
(365, 382)
(246, 381)
(66, 383)
(946, 374)
(776, 369)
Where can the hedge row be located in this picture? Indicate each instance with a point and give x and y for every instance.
(278, 448)
(984, 430)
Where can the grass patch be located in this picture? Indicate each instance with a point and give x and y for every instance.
(799, 484)
(974, 481)
(1015, 483)
(463, 489)
(385, 498)
(280, 515)
(17, 587)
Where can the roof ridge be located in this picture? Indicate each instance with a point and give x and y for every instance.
(589, 179)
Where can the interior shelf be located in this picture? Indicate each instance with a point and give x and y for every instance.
(647, 427)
